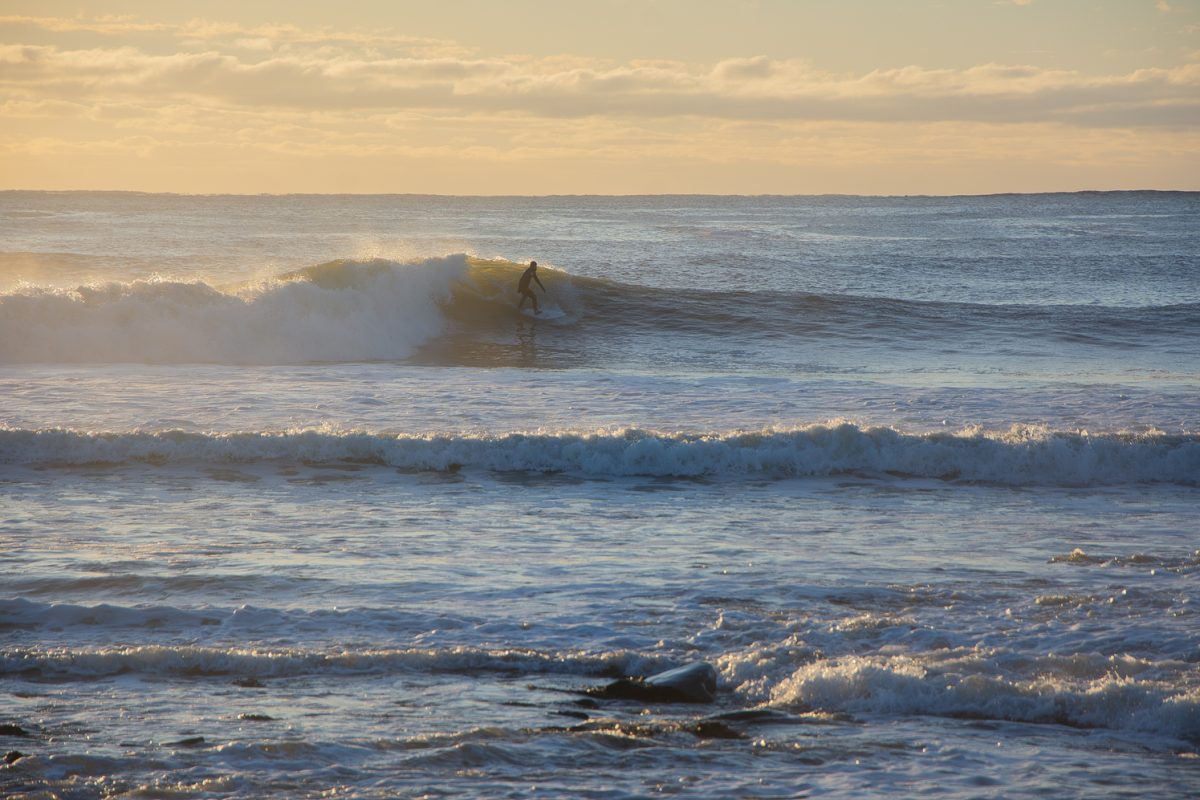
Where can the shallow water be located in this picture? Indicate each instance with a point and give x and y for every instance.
(383, 535)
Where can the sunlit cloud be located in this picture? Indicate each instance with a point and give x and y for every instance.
(168, 96)
(746, 88)
(109, 25)
(201, 31)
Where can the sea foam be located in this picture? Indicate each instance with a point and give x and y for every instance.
(975, 686)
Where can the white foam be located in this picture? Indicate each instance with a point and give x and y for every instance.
(978, 685)
(1019, 456)
(365, 311)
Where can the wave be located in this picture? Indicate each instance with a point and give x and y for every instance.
(108, 622)
(200, 661)
(1020, 456)
(1083, 690)
(453, 310)
(973, 686)
(342, 311)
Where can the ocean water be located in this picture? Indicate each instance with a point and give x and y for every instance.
(294, 503)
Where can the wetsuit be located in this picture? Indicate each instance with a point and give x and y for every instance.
(523, 284)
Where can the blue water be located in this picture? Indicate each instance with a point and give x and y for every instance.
(294, 502)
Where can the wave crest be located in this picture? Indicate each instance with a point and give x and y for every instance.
(1020, 456)
(969, 687)
(340, 311)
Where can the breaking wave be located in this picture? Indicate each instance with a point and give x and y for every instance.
(1084, 691)
(1020, 456)
(972, 686)
(341, 311)
(379, 310)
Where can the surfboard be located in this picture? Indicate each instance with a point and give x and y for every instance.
(547, 313)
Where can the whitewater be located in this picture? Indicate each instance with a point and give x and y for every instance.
(295, 503)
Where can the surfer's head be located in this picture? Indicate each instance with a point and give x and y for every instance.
(533, 265)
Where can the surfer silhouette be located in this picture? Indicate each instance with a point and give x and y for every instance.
(524, 290)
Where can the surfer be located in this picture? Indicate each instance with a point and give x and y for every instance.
(524, 290)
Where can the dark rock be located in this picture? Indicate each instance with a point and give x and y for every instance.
(249, 683)
(255, 717)
(761, 716)
(702, 729)
(8, 729)
(697, 681)
(587, 702)
(13, 756)
(191, 741)
(572, 714)
(694, 683)
(711, 729)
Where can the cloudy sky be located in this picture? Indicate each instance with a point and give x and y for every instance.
(604, 96)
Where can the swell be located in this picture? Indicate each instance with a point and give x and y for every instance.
(441, 310)
(200, 661)
(1020, 456)
(482, 298)
(866, 318)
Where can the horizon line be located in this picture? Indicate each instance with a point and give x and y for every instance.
(599, 194)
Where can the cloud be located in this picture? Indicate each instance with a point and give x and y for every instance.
(220, 106)
(108, 25)
(758, 88)
(1163, 6)
(316, 70)
(201, 31)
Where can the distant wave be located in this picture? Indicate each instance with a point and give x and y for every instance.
(1020, 456)
(454, 310)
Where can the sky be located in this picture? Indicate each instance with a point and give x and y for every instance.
(535, 97)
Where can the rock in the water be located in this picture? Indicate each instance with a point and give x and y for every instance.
(697, 682)
(694, 683)
(571, 714)
(702, 729)
(712, 729)
(191, 741)
(13, 756)
(8, 729)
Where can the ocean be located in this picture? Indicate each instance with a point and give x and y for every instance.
(294, 502)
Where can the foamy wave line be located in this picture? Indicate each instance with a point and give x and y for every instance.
(906, 685)
(1019, 456)
(199, 661)
(344, 310)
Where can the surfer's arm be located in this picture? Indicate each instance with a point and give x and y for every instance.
(535, 277)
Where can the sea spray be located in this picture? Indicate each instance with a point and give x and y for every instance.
(346, 311)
